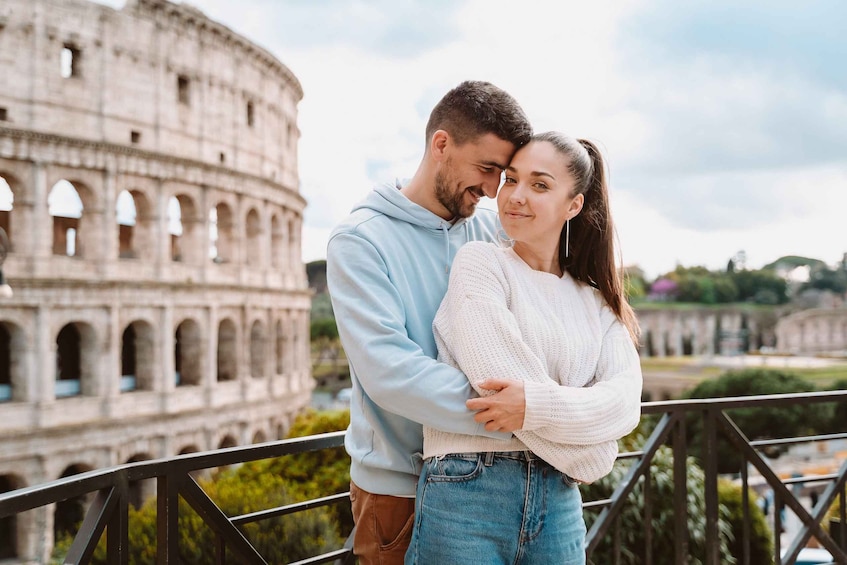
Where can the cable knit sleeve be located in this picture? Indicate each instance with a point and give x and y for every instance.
(474, 328)
(606, 410)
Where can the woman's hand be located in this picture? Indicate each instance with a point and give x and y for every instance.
(502, 411)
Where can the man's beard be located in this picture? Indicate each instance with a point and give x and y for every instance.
(452, 199)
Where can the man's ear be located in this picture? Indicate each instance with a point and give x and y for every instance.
(438, 144)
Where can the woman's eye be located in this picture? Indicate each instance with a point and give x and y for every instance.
(508, 180)
(540, 186)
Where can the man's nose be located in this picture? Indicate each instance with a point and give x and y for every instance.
(491, 184)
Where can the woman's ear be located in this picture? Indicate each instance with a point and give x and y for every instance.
(576, 205)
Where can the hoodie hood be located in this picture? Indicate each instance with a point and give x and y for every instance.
(388, 200)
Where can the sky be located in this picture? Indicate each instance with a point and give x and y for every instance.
(724, 124)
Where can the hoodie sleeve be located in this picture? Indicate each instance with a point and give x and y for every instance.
(392, 369)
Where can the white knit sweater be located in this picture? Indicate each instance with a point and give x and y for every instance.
(501, 318)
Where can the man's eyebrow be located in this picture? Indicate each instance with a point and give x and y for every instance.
(492, 164)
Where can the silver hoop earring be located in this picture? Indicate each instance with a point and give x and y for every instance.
(567, 237)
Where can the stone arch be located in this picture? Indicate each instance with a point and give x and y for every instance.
(184, 228)
(12, 363)
(138, 357)
(227, 369)
(69, 513)
(76, 358)
(8, 188)
(221, 233)
(188, 353)
(227, 441)
(258, 344)
(253, 243)
(259, 437)
(67, 202)
(11, 530)
(191, 448)
(277, 241)
(136, 224)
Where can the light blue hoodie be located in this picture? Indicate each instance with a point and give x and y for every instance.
(387, 271)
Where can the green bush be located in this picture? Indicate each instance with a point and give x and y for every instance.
(313, 474)
(251, 487)
(278, 540)
(631, 519)
(757, 423)
(761, 535)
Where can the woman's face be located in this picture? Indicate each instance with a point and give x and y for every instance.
(537, 196)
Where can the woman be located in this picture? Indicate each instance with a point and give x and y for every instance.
(545, 318)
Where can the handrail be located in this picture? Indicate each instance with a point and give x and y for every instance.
(109, 509)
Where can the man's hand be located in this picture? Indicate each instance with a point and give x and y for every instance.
(502, 411)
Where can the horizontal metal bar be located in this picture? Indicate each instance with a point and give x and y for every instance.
(289, 508)
(798, 439)
(324, 557)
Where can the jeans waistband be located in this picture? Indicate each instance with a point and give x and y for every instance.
(517, 455)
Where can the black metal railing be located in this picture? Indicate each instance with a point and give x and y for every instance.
(109, 510)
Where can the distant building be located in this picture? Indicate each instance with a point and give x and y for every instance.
(149, 190)
(813, 332)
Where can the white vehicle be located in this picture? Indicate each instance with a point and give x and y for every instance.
(812, 556)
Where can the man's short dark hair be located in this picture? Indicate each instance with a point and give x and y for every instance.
(475, 108)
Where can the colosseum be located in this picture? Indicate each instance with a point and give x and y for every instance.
(149, 197)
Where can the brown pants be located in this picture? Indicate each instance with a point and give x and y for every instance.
(383, 526)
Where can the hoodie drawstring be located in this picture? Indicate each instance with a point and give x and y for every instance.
(446, 248)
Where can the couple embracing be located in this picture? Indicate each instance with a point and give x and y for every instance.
(492, 354)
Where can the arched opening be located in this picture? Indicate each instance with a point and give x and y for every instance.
(259, 437)
(648, 347)
(220, 233)
(68, 362)
(188, 354)
(227, 350)
(687, 345)
(7, 203)
(137, 357)
(69, 513)
(257, 350)
(227, 441)
(126, 213)
(175, 228)
(128, 360)
(9, 524)
(253, 249)
(65, 206)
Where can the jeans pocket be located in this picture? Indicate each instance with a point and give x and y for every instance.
(453, 468)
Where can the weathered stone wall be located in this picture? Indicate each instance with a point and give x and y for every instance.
(211, 318)
(815, 331)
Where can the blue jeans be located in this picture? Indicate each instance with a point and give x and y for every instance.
(496, 508)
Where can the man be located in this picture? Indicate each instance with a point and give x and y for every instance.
(387, 270)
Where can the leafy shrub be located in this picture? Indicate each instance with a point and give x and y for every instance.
(631, 519)
(761, 535)
(757, 423)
